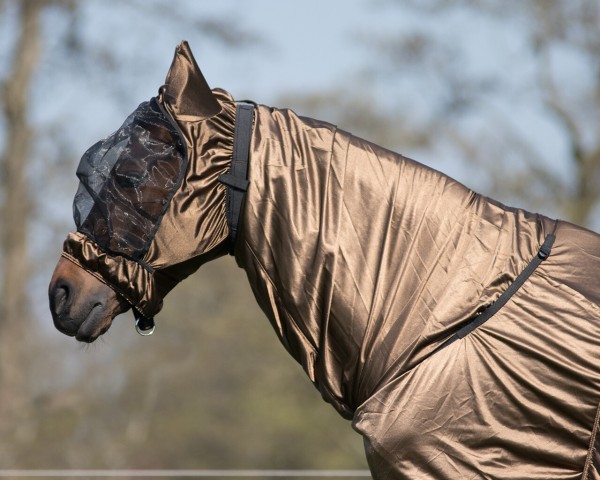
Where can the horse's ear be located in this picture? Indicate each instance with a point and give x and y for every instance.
(186, 90)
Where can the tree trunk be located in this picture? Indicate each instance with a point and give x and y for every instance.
(15, 424)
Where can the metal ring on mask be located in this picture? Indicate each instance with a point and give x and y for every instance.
(144, 326)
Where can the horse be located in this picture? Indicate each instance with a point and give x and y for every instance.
(459, 335)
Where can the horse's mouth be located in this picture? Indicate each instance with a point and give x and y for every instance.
(95, 324)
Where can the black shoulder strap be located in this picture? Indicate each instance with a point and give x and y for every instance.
(462, 332)
(237, 178)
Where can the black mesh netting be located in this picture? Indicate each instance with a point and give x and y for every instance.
(127, 181)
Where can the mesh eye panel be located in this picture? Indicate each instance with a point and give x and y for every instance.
(127, 181)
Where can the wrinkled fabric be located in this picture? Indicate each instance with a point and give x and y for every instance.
(132, 281)
(366, 261)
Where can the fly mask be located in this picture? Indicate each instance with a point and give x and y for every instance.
(150, 208)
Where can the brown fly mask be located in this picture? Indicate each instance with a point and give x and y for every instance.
(150, 208)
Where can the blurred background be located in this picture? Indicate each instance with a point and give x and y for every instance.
(503, 95)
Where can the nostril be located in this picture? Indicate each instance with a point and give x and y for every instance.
(60, 296)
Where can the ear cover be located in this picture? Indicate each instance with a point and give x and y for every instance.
(186, 90)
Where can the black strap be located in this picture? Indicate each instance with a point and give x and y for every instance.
(543, 254)
(237, 178)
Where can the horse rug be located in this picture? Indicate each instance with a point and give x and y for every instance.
(375, 272)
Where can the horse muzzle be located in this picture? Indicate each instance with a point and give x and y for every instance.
(81, 305)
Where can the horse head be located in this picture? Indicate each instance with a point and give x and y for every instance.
(150, 208)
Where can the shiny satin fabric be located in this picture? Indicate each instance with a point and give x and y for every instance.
(365, 262)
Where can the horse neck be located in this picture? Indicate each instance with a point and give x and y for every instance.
(330, 221)
(319, 192)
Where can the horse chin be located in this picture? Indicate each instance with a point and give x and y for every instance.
(94, 325)
(82, 306)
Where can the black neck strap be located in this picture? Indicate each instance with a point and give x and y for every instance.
(237, 179)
